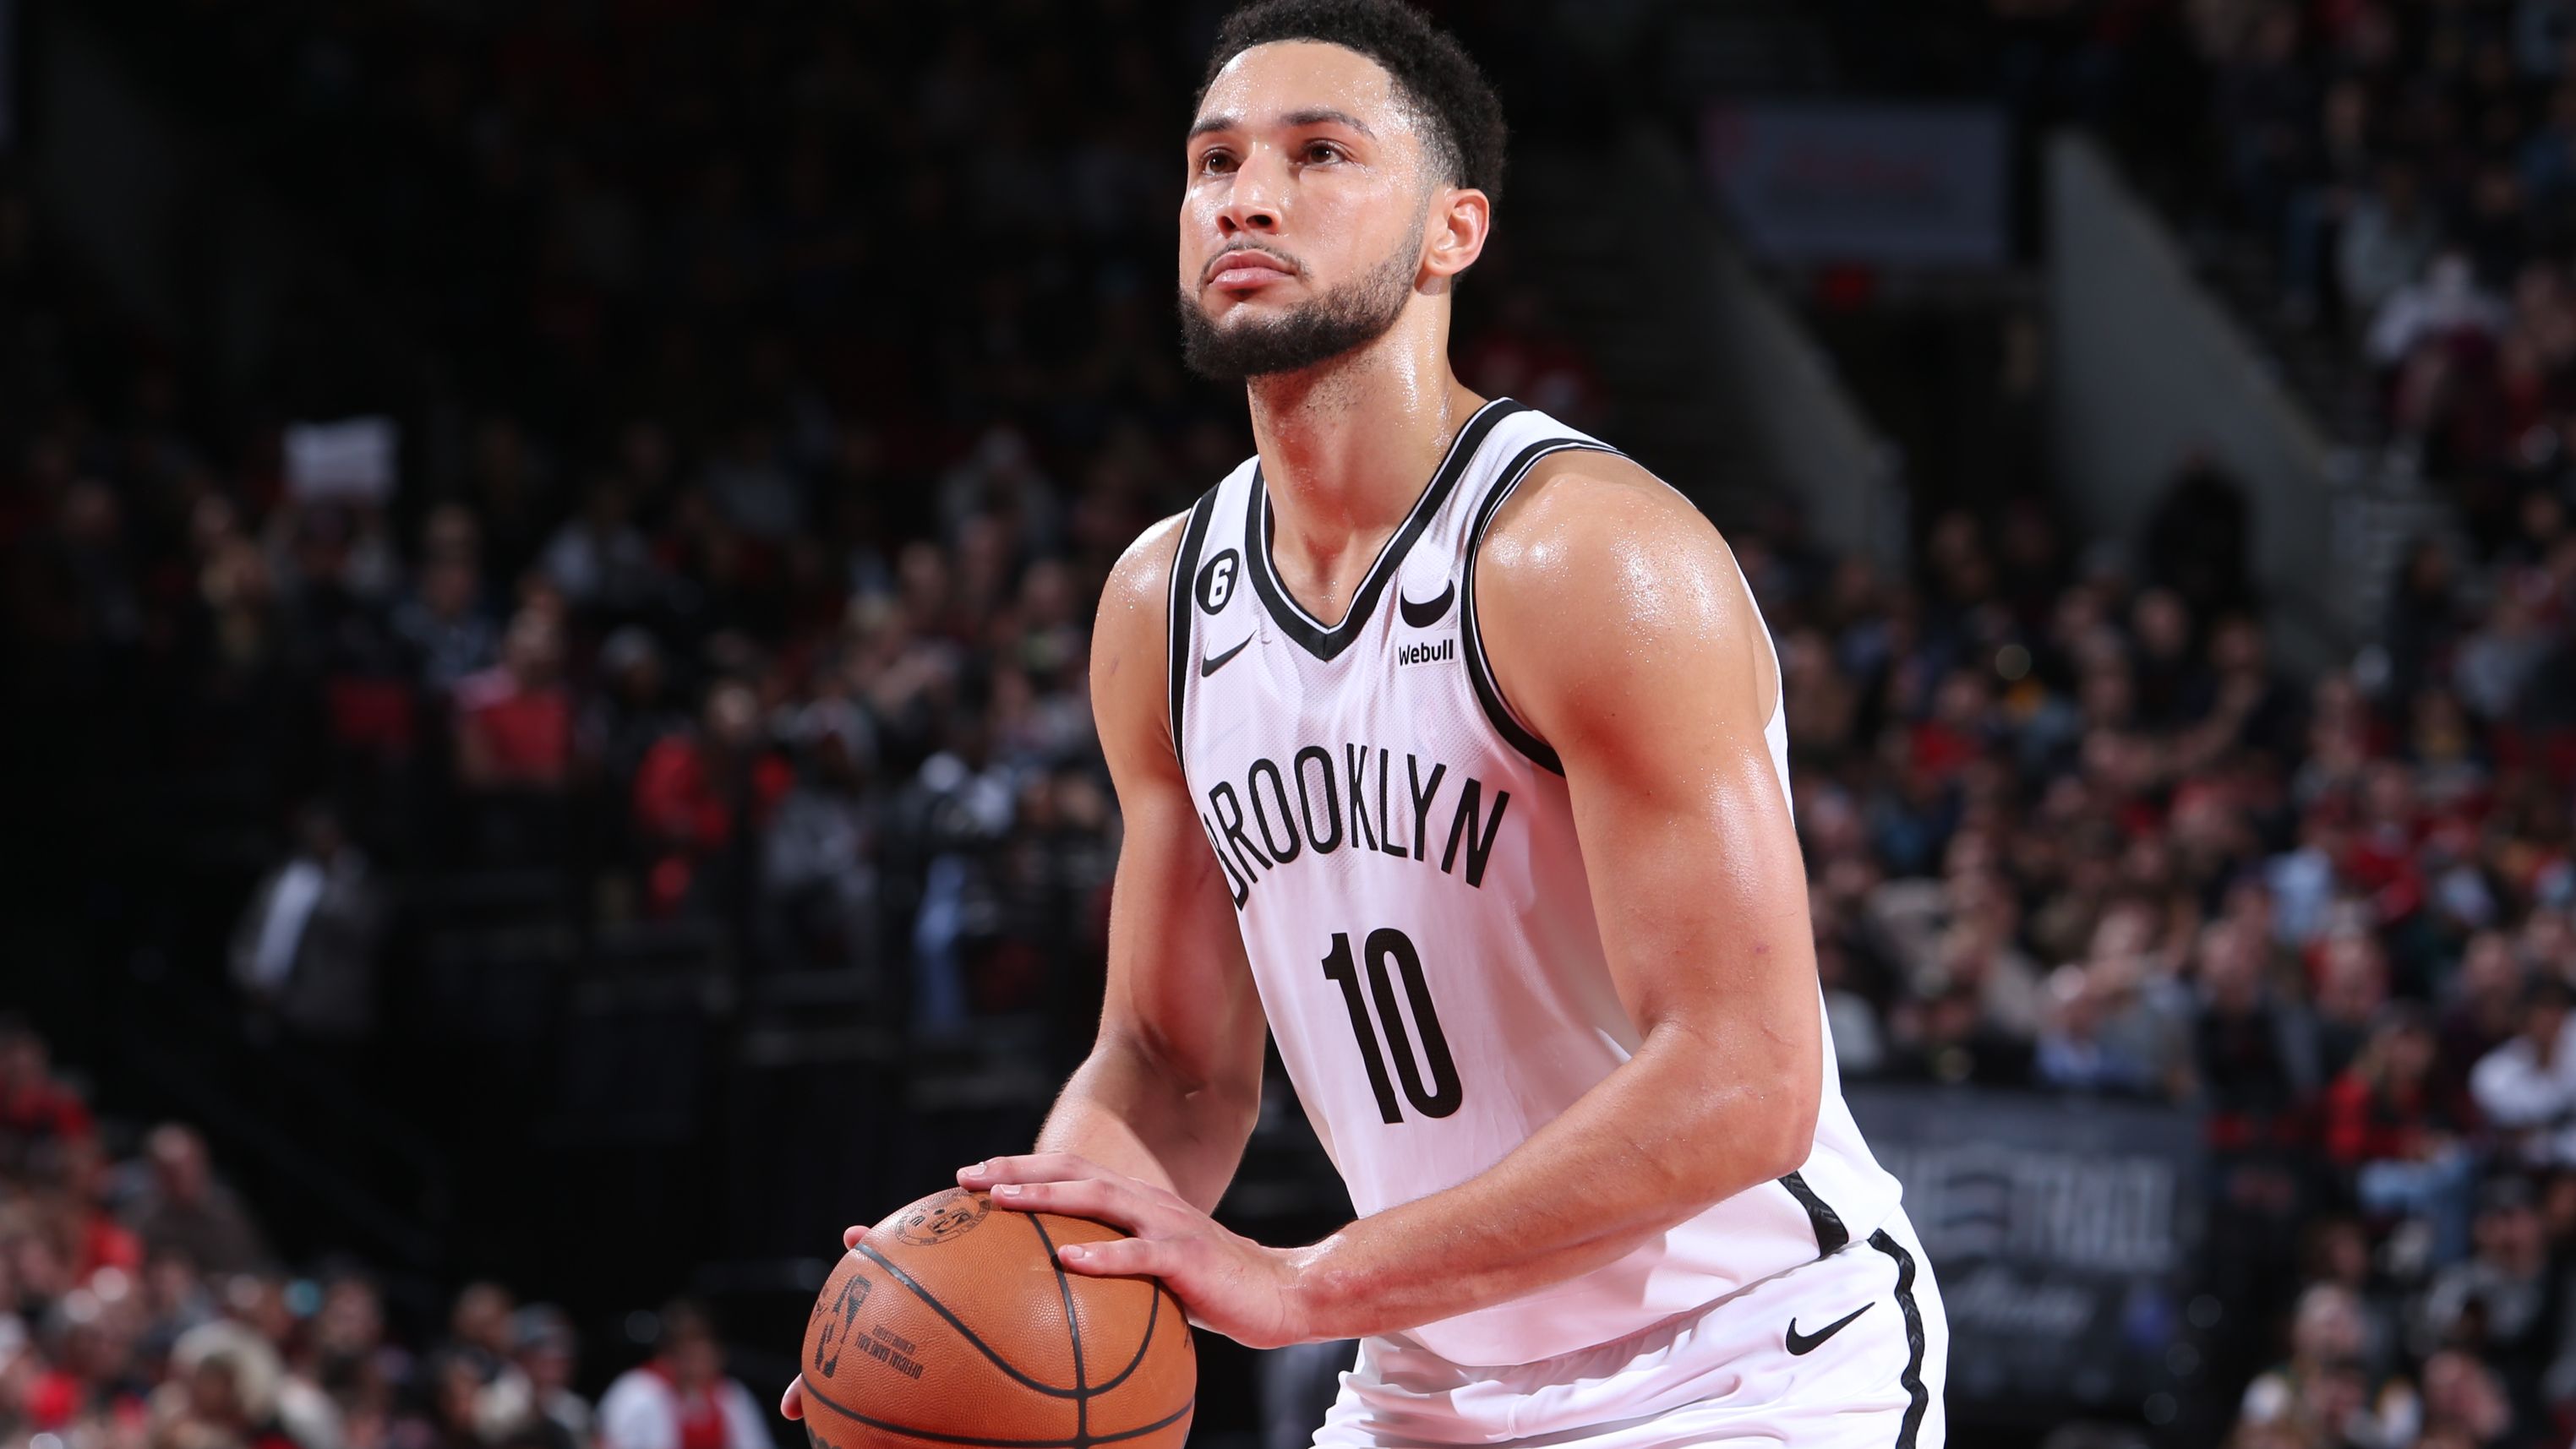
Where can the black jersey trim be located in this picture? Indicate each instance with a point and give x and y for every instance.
(1917, 1397)
(1831, 1235)
(1183, 607)
(1507, 724)
(1327, 642)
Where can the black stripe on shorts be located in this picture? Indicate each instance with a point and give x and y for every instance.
(1917, 1398)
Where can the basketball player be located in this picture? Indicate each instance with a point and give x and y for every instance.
(1450, 748)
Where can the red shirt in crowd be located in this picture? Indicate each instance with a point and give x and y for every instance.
(44, 1110)
(517, 735)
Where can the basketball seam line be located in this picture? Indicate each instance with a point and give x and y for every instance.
(959, 1324)
(1073, 1335)
(935, 1436)
(1153, 1311)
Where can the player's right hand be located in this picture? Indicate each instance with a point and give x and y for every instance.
(792, 1403)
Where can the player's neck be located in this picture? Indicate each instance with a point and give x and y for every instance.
(1347, 446)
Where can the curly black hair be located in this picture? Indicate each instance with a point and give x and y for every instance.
(1432, 72)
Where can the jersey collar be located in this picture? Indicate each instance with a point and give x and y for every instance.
(1325, 641)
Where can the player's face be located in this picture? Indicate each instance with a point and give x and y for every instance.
(1302, 220)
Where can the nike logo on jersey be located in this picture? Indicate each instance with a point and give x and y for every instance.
(1429, 612)
(1215, 662)
(1806, 1343)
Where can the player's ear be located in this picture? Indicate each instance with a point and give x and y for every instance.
(1454, 234)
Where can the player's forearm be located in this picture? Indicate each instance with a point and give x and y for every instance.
(1669, 1133)
(1132, 1115)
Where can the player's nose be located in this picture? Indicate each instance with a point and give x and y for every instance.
(1254, 202)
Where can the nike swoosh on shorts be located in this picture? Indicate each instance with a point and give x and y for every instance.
(1803, 1343)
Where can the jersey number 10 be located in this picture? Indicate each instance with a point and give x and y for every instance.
(1436, 1097)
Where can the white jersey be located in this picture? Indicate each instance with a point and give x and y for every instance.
(1412, 897)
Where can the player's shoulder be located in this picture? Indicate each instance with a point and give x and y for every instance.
(1587, 522)
(1605, 601)
(1142, 576)
(1129, 637)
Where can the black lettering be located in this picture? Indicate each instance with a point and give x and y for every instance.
(1321, 844)
(1235, 884)
(1355, 761)
(1229, 814)
(1386, 833)
(1463, 825)
(1422, 795)
(1260, 817)
(1440, 1096)
(1342, 968)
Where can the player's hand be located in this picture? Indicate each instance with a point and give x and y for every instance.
(792, 1403)
(1229, 1283)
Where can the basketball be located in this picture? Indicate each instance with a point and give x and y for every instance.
(952, 1323)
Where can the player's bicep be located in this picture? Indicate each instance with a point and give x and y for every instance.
(1179, 988)
(1620, 629)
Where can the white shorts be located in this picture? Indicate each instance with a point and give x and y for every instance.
(1847, 1352)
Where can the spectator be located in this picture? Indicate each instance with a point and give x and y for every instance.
(962, 805)
(2505, 1304)
(513, 726)
(2320, 1393)
(36, 1111)
(819, 861)
(2385, 1124)
(548, 1354)
(2074, 1051)
(2387, 240)
(2527, 1085)
(600, 560)
(2254, 1055)
(445, 625)
(699, 795)
(681, 1399)
(223, 1394)
(185, 1210)
(2464, 1402)
(306, 945)
(479, 1366)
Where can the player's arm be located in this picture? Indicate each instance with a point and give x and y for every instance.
(1618, 626)
(1173, 1083)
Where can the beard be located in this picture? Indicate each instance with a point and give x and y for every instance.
(1350, 316)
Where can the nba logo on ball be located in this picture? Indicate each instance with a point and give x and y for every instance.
(834, 1332)
(1216, 581)
(942, 1218)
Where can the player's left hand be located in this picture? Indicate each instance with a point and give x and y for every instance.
(1229, 1283)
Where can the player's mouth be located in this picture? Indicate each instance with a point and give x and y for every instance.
(1240, 269)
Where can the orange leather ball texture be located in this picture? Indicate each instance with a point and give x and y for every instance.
(952, 1324)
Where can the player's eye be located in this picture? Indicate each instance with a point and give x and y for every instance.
(1213, 162)
(1323, 151)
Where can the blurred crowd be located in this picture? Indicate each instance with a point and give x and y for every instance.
(750, 509)
(2071, 828)
(141, 1307)
(2412, 167)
